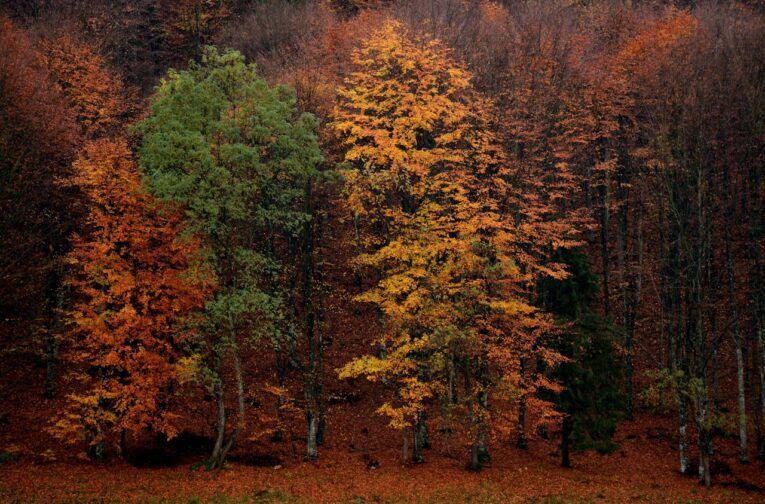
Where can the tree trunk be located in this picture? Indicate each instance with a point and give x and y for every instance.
(223, 446)
(239, 403)
(565, 444)
(483, 450)
(521, 428)
(98, 451)
(753, 368)
(472, 404)
(357, 234)
(757, 234)
(405, 445)
(622, 238)
(312, 382)
(743, 454)
(449, 398)
(420, 438)
(683, 430)
(703, 427)
(123, 443)
(312, 419)
(475, 456)
(50, 364)
(220, 398)
(704, 436)
(636, 297)
(675, 348)
(740, 385)
(281, 377)
(715, 375)
(55, 305)
(313, 427)
(704, 470)
(604, 253)
(762, 388)
(703, 267)
(322, 427)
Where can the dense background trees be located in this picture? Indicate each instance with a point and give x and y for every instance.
(37, 145)
(483, 208)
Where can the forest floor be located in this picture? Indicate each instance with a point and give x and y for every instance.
(643, 469)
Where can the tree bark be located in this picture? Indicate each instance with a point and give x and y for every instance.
(420, 439)
(405, 445)
(521, 428)
(483, 449)
(604, 252)
(312, 380)
(239, 404)
(565, 444)
(357, 234)
(222, 445)
(762, 387)
(685, 465)
(449, 398)
(281, 377)
(740, 385)
(623, 201)
(472, 404)
(220, 398)
(313, 427)
(52, 346)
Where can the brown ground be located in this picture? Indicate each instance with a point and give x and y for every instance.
(642, 470)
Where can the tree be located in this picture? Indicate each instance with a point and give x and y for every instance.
(188, 24)
(98, 100)
(135, 294)
(701, 150)
(425, 178)
(237, 157)
(95, 92)
(590, 399)
(130, 272)
(38, 209)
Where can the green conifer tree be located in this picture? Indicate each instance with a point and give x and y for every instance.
(591, 401)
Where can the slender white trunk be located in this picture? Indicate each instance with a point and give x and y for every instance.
(313, 426)
(743, 447)
(683, 414)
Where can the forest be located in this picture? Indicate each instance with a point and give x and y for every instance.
(392, 251)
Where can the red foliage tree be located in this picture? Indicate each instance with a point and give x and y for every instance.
(136, 293)
(132, 274)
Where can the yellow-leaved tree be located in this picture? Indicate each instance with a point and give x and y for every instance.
(426, 181)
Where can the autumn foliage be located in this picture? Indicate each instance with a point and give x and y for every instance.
(38, 139)
(411, 231)
(134, 278)
(132, 273)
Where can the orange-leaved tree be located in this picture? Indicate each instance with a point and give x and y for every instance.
(136, 293)
(133, 274)
(426, 181)
(96, 94)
